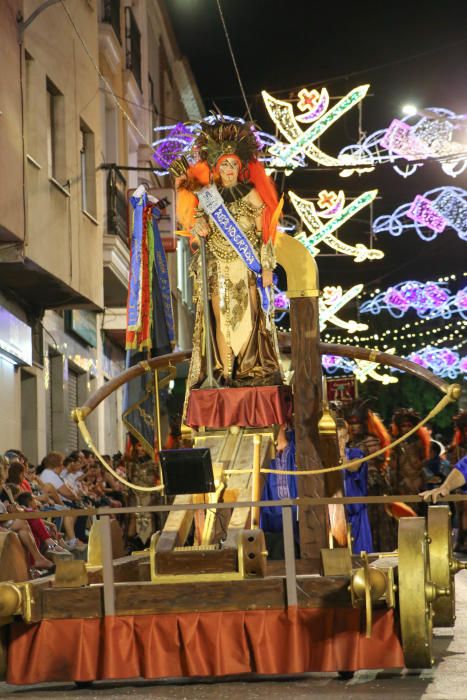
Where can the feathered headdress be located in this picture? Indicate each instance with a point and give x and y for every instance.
(221, 138)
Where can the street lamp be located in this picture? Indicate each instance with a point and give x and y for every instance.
(409, 110)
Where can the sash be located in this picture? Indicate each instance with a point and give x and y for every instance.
(211, 201)
(135, 286)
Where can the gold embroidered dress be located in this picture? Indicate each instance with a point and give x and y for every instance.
(249, 334)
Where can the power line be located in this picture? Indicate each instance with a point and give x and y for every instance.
(234, 61)
(343, 76)
(103, 78)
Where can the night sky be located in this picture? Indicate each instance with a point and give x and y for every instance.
(409, 52)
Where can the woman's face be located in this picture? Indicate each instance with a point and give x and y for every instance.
(228, 171)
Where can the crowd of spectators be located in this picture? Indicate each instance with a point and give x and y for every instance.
(56, 484)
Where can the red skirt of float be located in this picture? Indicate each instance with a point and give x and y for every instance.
(204, 644)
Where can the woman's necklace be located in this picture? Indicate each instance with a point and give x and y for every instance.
(238, 191)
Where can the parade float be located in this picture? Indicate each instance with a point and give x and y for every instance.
(204, 599)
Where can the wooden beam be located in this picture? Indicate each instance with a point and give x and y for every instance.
(306, 363)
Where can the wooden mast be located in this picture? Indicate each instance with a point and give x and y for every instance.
(303, 291)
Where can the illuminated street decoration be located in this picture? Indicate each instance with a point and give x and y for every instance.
(427, 134)
(363, 369)
(445, 362)
(429, 299)
(176, 141)
(429, 214)
(332, 300)
(313, 103)
(302, 142)
(335, 215)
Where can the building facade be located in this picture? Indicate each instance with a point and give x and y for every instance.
(79, 101)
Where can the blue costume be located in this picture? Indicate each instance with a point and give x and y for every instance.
(356, 484)
(280, 486)
(462, 467)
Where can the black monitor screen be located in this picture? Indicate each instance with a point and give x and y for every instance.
(187, 471)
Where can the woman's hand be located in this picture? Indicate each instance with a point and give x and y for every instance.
(200, 229)
(267, 278)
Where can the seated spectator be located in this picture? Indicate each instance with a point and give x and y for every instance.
(51, 474)
(17, 476)
(20, 527)
(45, 543)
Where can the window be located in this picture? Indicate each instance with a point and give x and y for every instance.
(133, 45)
(111, 15)
(55, 134)
(152, 103)
(88, 170)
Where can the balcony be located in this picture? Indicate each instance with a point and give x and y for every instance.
(116, 252)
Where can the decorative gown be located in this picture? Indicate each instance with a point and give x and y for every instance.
(248, 331)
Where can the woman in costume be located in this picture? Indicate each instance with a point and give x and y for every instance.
(368, 434)
(407, 459)
(355, 484)
(243, 338)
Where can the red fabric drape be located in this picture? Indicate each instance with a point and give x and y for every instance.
(252, 406)
(201, 644)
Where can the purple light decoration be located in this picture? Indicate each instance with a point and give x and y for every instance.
(280, 301)
(429, 299)
(423, 213)
(444, 362)
(399, 139)
(461, 299)
(173, 145)
(429, 214)
(416, 137)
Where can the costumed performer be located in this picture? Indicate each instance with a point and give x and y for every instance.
(355, 484)
(239, 237)
(407, 459)
(368, 434)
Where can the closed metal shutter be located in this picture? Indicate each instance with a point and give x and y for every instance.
(73, 432)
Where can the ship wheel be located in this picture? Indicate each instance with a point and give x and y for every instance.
(443, 566)
(416, 593)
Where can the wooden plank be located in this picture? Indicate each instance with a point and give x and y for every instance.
(306, 362)
(241, 483)
(250, 594)
(125, 569)
(63, 603)
(176, 526)
(323, 592)
(199, 562)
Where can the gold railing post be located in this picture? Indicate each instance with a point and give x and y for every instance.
(256, 480)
